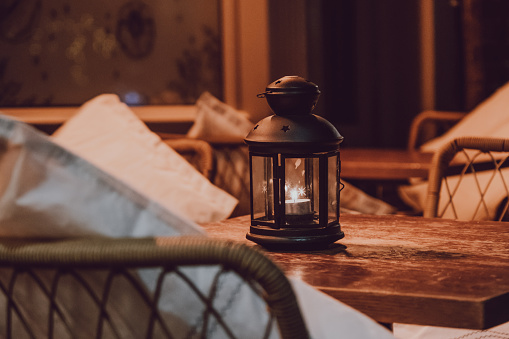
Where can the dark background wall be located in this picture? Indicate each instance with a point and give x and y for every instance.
(365, 57)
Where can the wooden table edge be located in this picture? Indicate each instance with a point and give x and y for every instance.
(477, 313)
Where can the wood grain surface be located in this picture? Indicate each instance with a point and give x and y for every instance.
(406, 269)
(384, 164)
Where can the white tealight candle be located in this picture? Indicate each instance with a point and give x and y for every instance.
(298, 206)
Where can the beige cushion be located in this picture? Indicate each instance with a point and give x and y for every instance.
(108, 134)
(489, 119)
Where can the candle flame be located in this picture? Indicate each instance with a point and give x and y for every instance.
(294, 194)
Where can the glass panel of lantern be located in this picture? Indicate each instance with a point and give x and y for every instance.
(333, 188)
(262, 189)
(301, 191)
(304, 179)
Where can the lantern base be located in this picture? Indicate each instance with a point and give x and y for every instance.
(295, 238)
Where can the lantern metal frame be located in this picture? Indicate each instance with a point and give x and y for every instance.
(293, 132)
(281, 233)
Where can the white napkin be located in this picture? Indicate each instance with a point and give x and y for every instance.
(108, 134)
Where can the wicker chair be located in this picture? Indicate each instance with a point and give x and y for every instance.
(198, 153)
(71, 261)
(482, 161)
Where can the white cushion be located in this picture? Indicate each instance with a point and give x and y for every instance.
(108, 134)
(489, 119)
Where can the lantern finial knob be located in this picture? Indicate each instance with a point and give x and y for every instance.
(291, 95)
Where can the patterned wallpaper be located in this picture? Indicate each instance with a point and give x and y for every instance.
(64, 52)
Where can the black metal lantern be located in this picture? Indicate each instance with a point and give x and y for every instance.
(294, 170)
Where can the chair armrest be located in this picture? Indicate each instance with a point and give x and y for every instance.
(118, 255)
(441, 166)
(198, 153)
(435, 117)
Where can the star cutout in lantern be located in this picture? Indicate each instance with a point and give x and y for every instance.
(285, 128)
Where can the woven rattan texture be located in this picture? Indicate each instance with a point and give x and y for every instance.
(484, 169)
(86, 288)
(232, 174)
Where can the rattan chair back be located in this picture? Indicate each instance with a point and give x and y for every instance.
(477, 162)
(104, 269)
(198, 153)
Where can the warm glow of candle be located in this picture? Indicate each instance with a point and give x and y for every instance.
(296, 206)
(294, 194)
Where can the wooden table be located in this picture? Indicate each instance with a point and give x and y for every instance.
(406, 269)
(384, 164)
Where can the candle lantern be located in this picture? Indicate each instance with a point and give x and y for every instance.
(294, 170)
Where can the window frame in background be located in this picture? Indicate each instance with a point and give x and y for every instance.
(245, 51)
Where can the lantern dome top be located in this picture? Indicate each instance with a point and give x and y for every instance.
(292, 99)
(307, 129)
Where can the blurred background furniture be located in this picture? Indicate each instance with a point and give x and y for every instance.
(399, 164)
(50, 265)
(376, 171)
(380, 171)
(232, 173)
(479, 189)
(381, 165)
(226, 165)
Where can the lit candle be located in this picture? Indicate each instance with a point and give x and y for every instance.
(296, 206)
